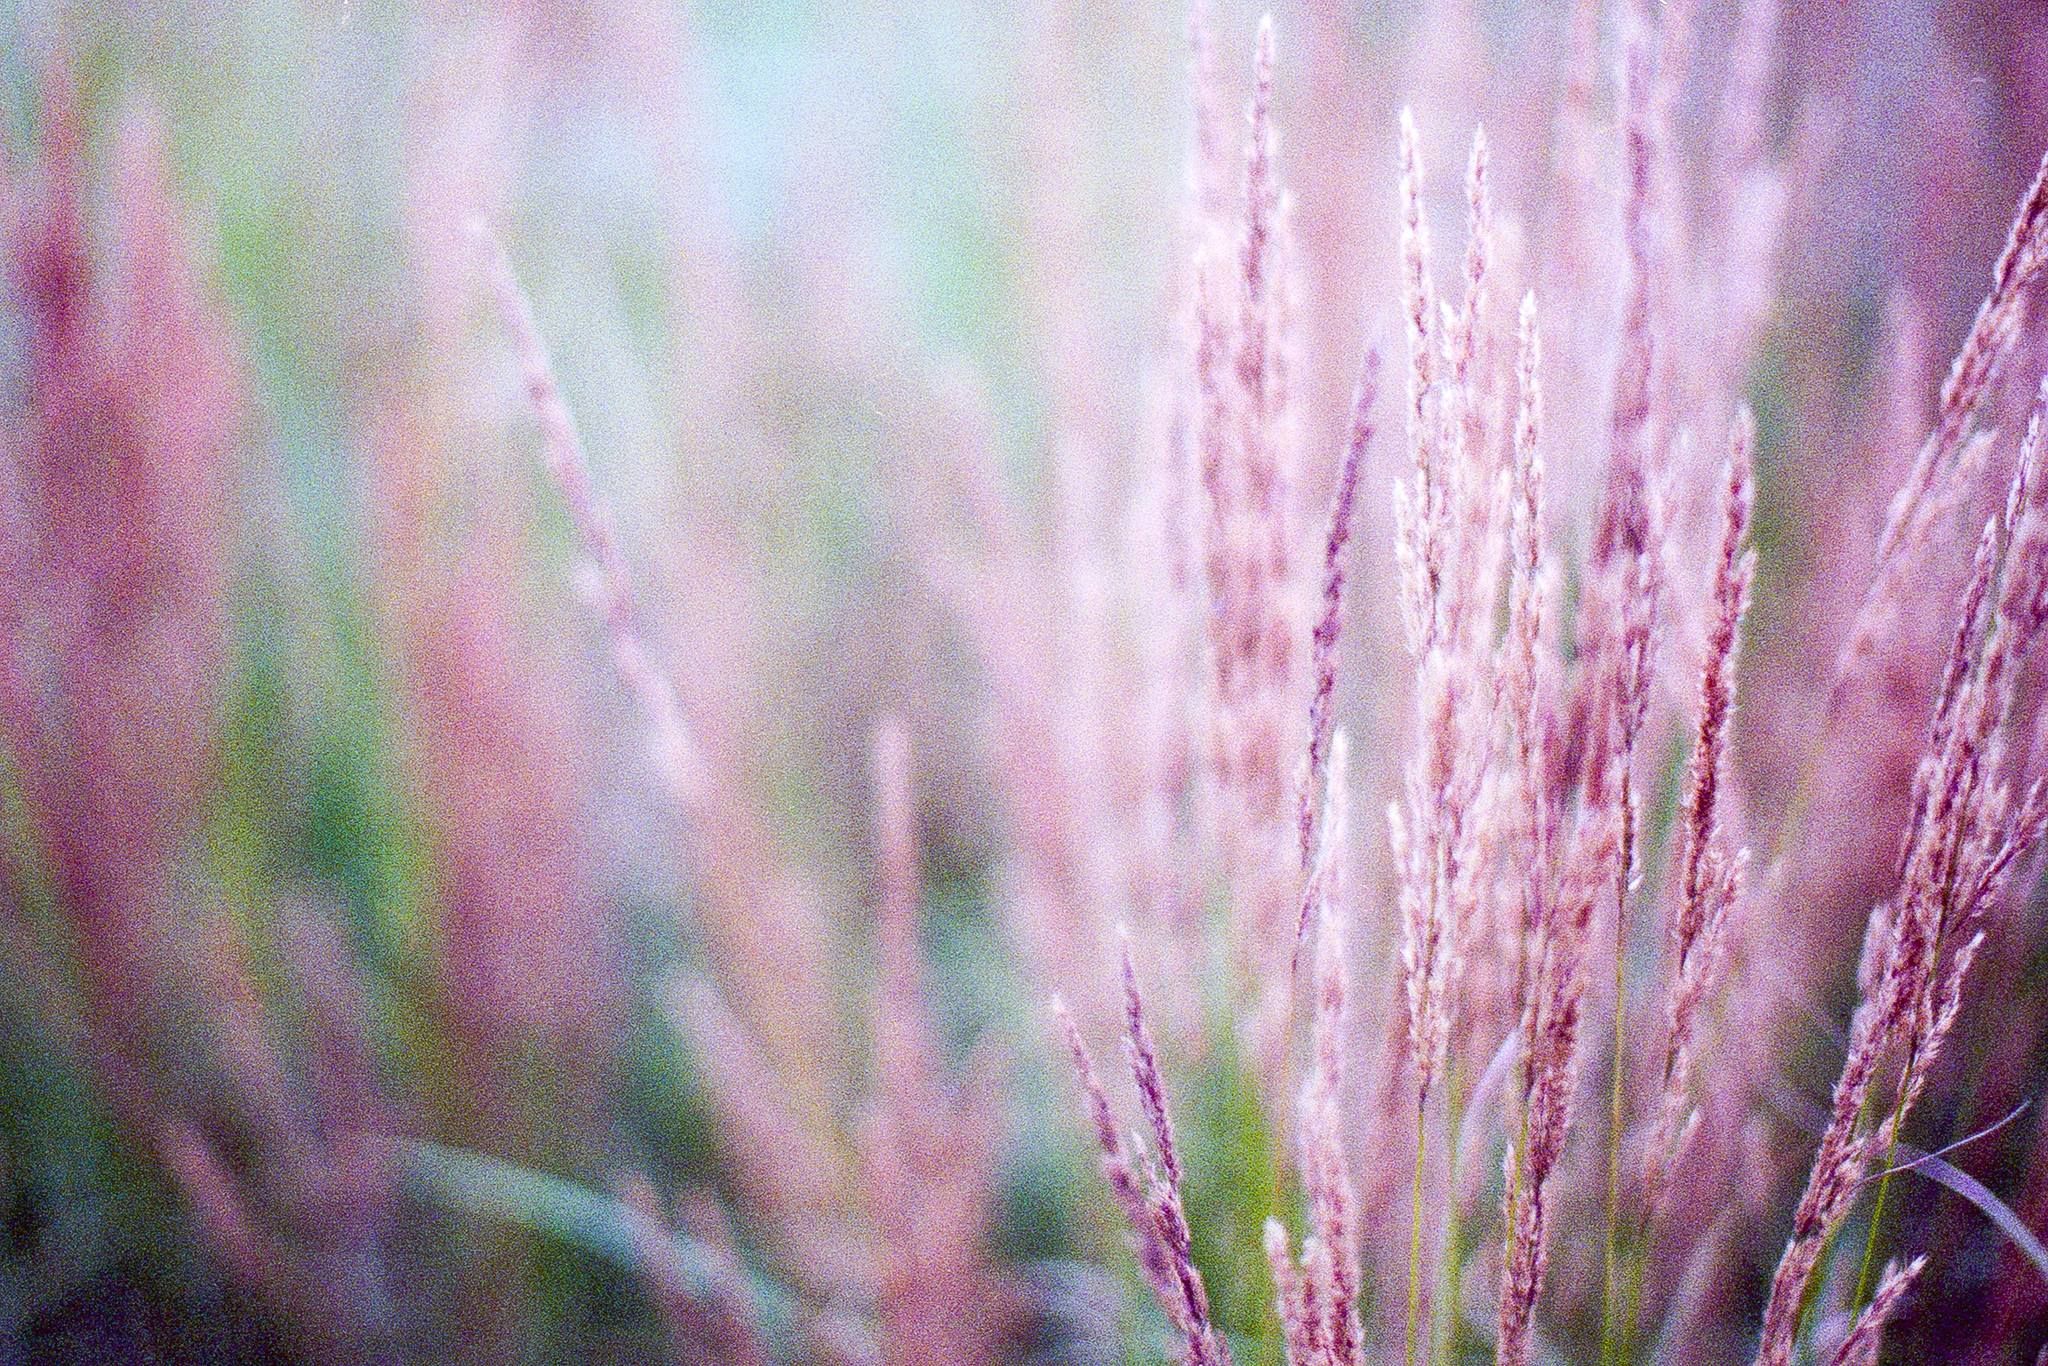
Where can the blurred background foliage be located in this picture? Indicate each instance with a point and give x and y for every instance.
(753, 243)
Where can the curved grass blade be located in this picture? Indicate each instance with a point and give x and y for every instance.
(603, 1226)
(1971, 1189)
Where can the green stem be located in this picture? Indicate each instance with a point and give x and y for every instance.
(1898, 1119)
(1444, 1325)
(1884, 1186)
(1415, 1237)
(1633, 1301)
(1611, 1345)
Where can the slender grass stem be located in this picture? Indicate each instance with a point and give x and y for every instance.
(1866, 1272)
(1898, 1117)
(1443, 1325)
(1517, 1191)
(1638, 1264)
(1268, 1342)
(1611, 1341)
(1415, 1235)
(1611, 1345)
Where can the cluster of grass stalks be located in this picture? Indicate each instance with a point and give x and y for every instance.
(599, 604)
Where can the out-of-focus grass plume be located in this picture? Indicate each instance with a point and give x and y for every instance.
(599, 603)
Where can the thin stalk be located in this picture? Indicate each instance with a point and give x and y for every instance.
(1516, 1194)
(1415, 1236)
(1443, 1324)
(1610, 1341)
(1884, 1182)
(1633, 1301)
(1827, 1242)
(1884, 1186)
(1268, 1342)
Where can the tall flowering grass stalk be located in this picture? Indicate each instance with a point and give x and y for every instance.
(1709, 875)
(1319, 1292)
(1257, 743)
(1154, 1206)
(1553, 915)
(1965, 834)
(1448, 549)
